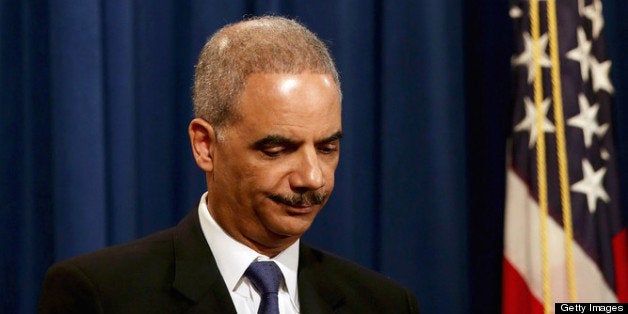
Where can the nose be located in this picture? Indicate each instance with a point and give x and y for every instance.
(307, 174)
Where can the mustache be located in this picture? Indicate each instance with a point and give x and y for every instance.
(308, 198)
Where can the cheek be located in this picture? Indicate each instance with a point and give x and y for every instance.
(259, 178)
(270, 179)
(329, 181)
(234, 176)
(329, 171)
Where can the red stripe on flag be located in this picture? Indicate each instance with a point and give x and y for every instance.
(517, 297)
(620, 257)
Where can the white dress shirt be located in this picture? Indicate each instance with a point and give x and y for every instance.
(233, 258)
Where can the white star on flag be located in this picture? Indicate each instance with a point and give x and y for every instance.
(525, 58)
(587, 121)
(600, 75)
(515, 12)
(582, 53)
(594, 13)
(591, 185)
(529, 121)
(605, 154)
(581, 7)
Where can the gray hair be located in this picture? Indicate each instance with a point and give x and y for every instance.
(268, 44)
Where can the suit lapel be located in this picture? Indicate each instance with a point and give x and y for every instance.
(316, 291)
(196, 273)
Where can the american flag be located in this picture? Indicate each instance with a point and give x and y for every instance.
(563, 235)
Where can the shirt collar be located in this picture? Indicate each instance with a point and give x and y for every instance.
(233, 257)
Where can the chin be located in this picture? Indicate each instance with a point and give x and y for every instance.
(294, 225)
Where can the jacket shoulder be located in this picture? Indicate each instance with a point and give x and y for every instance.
(99, 281)
(154, 249)
(362, 288)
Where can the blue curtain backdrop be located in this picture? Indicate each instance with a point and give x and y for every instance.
(95, 101)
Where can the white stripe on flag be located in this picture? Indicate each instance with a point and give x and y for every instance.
(523, 250)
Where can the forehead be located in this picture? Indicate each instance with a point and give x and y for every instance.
(281, 103)
(289, 84)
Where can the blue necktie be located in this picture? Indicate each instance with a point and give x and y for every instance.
(266, 277)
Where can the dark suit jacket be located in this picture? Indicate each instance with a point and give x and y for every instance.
(174, 271)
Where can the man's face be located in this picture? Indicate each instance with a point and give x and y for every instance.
(274, 166)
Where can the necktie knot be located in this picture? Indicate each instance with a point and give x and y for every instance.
(266, 277)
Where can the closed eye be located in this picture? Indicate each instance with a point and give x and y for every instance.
(330, 144)
(273, 151)
(328, 148)
(277, 145)
(274, 145)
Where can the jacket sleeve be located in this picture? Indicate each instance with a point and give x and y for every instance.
(67, 289)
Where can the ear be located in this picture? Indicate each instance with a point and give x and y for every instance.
(203, 140)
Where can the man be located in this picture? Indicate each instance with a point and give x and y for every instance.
(267, 134)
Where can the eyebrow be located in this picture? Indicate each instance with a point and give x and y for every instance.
(334, 137)
(273, 140)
